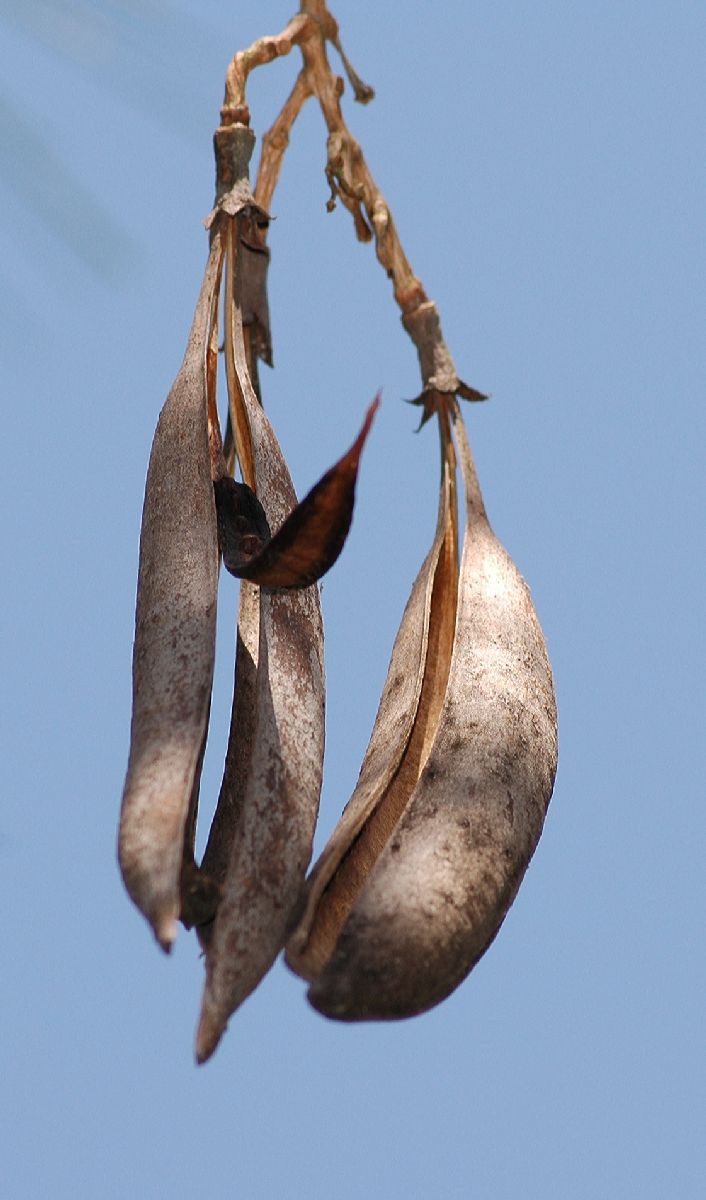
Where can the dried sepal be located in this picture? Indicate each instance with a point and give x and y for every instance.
(435, 362)
(174, 635)
(434, 402)
(311, 538)
(449, 870)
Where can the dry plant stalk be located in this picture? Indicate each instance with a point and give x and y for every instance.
(431, 849)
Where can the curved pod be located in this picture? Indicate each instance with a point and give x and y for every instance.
(439, 891)
(280, 783)
(175, 631)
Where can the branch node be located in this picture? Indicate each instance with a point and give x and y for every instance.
(380, 219)
(235, 114)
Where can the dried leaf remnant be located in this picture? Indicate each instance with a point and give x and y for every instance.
(307, 545)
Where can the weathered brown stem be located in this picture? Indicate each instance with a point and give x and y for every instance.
(263, 51)
(348, 173)
(276, 140)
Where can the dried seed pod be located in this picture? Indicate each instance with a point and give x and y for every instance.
(174, 635)
(434, 892)
(270, 794)
(273, 828)
(408, 709)
(241, 739)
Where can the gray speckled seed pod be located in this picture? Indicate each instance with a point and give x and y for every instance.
(272, 833)
(175, 629)
(441, 887)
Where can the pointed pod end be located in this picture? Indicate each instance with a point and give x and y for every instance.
(353, 455)
(209, 1033)
(205, 1048)
(165, 931)
(372, 409)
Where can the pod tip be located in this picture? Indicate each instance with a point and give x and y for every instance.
(208, 1034)
(207, 1040)
(165, 931)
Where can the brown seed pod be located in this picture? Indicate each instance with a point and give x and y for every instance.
(261, 839)
(174, 635)
(272, 821)
(264, 825)
(396, 934)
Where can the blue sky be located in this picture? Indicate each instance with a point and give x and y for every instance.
(544, 163)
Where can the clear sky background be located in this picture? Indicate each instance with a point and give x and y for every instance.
(545, 165)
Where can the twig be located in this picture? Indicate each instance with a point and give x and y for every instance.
(263, 51)
(349, 177)
(276, 140)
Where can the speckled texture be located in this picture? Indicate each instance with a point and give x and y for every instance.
(241, 737)
(442, 886)
(272, 840)
(388, 742)
(174, 636)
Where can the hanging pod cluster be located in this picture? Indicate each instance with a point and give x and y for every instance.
(242, 896)
(429, 853)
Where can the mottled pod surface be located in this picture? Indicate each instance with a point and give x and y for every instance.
(175, 628)
(278, 769)
(436, 895)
